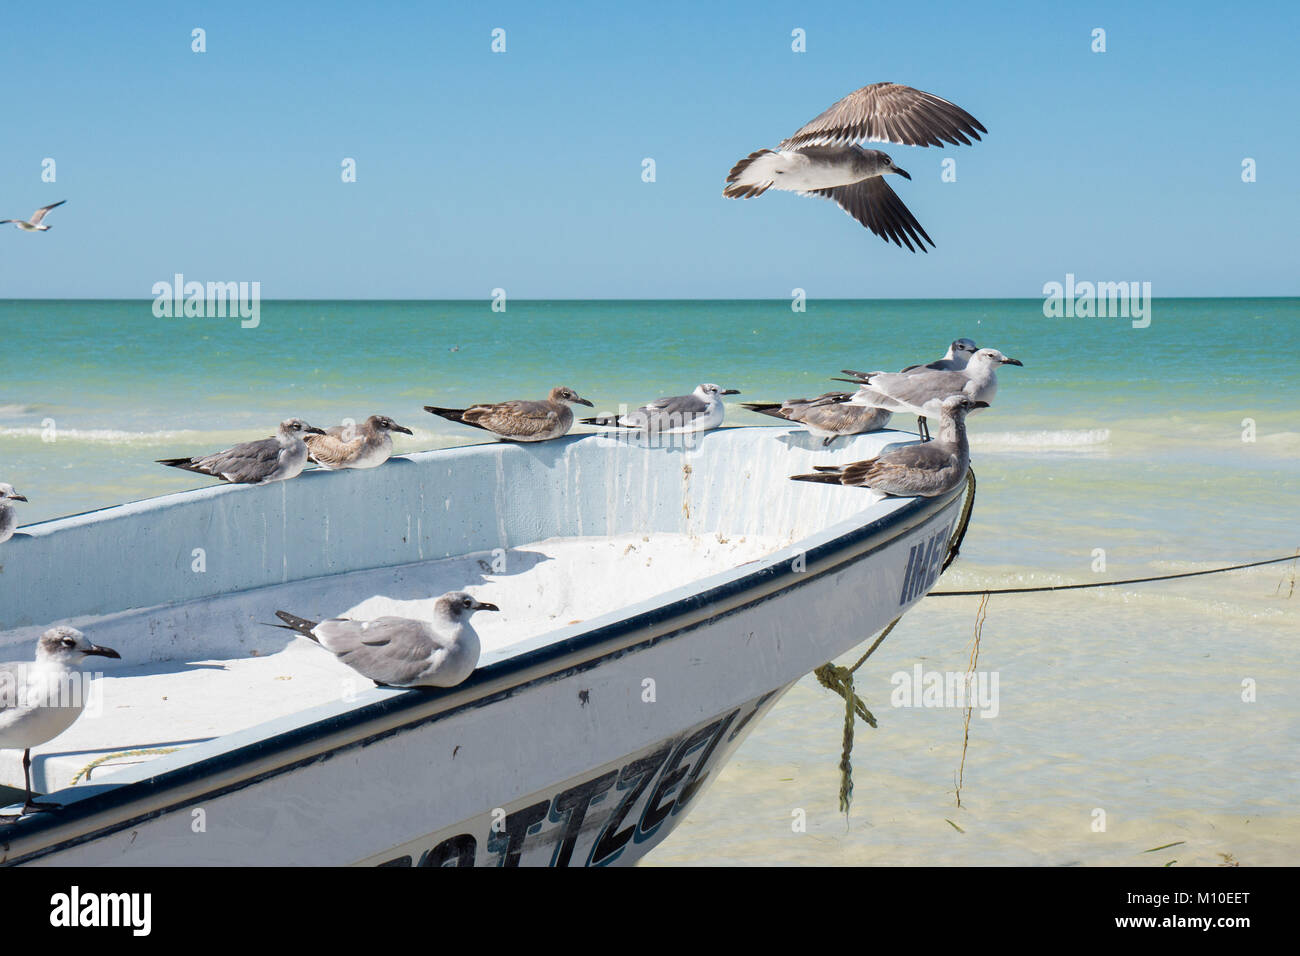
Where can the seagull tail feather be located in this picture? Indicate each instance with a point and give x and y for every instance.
(765, 408)
(745, 182)
(825, 477)
(299, 624)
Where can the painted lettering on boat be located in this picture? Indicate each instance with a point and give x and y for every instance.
(595, 820)
(923, 564)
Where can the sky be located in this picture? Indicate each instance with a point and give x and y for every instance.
(523, 170)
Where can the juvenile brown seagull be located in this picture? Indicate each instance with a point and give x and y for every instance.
(519, 420)
(823, 158)
(34, 224)
(367, 445)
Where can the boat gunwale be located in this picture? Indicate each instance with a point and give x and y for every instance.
(399, 710)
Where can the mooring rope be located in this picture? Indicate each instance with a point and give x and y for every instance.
(144, 752)
(840, 679)
(1109, 584)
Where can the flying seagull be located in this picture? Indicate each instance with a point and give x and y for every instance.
(826, 421)
(34, 224)
(519, 420)
(40, 700)
(401, 651)
(678, 414)
(367, 445)
(823, 158)
(256, 462)
(922, 391)
(924, 470)
(8, 517)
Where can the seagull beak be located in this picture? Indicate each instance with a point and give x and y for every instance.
(731, 391)
(583, 401)
(98, 651)
(313, 430)
(481, 606)
(17, 497)
(404, 431)
(903, 172)
(1011, 361)
(980, 405)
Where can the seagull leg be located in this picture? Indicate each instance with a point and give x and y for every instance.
(828, 439)
(923, 427)
(30, 805)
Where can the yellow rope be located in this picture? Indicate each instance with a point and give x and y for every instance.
(980, 615)
(148, 751)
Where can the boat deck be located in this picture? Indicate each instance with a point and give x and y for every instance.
(213, 668)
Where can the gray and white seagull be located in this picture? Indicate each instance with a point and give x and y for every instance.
(401, 651)
(8, 517)
(40, 700)
(34, 224)
(823, 158)
(923, 470)
(699, 411)
(256, 462)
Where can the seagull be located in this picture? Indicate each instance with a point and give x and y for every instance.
(401, 651)
(922, 391)
(34, 224)
(256, 462)
(8, 517)
(954, 360)
(697, 412)
(520, 420)
(826, 421)
(823, 158)
(39, 701)
(367, 445)
(920, 470)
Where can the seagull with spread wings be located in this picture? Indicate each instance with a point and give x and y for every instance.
(823, 158)
(34, 224)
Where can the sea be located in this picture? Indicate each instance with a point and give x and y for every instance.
(1146, 724)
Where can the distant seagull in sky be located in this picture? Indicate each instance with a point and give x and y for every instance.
(34, 224)
(826, 421)
(519, 420)
(823, 158)
(925, 470)
(367, 445)
(256, 462)
(678, 414)
(8, 517)
(40, 700)
(401, 651)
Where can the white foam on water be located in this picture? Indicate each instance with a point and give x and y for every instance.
(1089, 439)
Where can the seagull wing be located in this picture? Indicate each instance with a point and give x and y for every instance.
(889, 113)
(674, 411)
(874, 204)
(39, 214)
(517, 418)
(247, 462)
(331, 449)
(391, 650)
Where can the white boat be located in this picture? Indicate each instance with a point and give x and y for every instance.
(655, 604)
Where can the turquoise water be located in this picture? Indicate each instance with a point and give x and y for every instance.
(1110, 437)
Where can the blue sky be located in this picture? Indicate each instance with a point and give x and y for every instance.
(522, 170)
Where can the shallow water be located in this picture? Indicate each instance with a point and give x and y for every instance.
(1170, 448)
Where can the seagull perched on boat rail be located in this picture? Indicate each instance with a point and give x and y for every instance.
(40, 700)
(401, 651)
(923, 390)
(828, 416)
(920, 470)
(34, 224)
(367, 445)
(519, 420)
(675, 415)
(823, 158)
(278, 458)
(8, 517)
